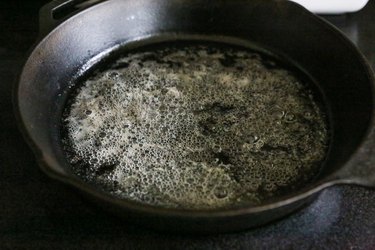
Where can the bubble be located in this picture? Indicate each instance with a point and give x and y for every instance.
(217, 148)
(290, 117)
(308, 115)
(277, 113)
(221, 193)
(252, 139)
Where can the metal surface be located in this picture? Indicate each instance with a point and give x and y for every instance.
(344, 103)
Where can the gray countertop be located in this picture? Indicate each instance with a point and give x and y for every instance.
(36, 212)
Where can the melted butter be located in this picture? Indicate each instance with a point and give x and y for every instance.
(196, 127)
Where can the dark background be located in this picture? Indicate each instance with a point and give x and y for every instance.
(38, 213)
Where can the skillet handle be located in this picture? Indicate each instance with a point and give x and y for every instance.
(55, 12)
(360, 169)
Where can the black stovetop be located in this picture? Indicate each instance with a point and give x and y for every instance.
(36, 212)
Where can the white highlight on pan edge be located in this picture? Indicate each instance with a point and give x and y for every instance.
(332, 6)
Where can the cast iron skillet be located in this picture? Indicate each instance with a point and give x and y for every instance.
(78, 42)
